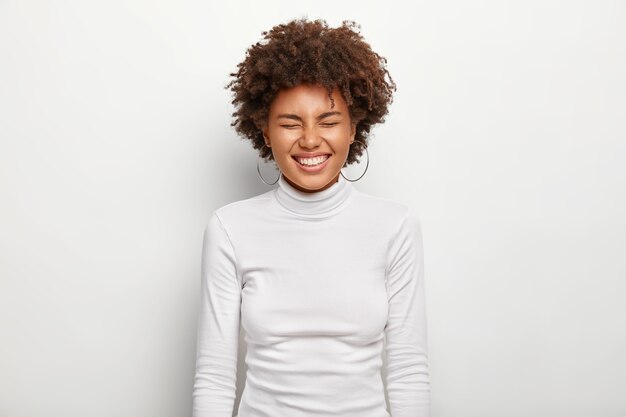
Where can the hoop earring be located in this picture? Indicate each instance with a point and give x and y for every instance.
(366, 165)
(258, 170)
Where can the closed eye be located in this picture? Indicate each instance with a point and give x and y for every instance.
(323, 124)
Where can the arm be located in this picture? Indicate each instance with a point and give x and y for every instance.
(218, 326)
(408, 381)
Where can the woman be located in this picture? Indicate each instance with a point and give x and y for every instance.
(323, 277)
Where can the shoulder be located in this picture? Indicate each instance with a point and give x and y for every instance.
(395, 213)
(393, 221)
(241, 211)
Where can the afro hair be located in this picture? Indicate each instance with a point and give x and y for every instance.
(302, 51)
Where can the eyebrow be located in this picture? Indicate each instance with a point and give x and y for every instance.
(320, 117)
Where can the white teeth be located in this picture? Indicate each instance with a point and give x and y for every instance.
(312, 161)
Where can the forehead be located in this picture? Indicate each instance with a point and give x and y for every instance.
(307, 98)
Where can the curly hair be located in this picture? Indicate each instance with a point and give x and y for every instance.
(303, 51)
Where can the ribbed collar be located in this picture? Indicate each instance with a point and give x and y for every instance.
(316, 205)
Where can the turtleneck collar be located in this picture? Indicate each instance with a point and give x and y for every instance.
(319, 204)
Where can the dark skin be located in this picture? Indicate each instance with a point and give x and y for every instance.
(302, 120)
(302, 51)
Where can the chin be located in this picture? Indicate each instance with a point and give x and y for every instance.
(312, 182)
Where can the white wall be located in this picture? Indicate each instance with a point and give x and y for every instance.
(507, 135)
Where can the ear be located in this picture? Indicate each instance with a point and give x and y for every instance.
(353, 131)
(266, 136)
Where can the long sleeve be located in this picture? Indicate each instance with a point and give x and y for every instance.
(408, 380)
(218, 325)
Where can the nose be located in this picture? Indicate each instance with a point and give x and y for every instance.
(310, 139)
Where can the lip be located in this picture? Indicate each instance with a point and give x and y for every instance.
(315, 168)
(309, 154)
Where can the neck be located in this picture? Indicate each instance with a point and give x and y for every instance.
(322, 203)
(305, 190)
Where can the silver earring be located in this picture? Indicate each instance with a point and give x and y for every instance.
(366, 165)
(258, 170)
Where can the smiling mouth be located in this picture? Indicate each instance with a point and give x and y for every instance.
(311, 162)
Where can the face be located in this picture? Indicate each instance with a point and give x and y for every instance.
(310, 140)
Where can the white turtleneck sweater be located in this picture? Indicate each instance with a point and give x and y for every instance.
(323, 285)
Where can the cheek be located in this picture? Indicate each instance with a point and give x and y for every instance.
(280, 139)
(344, 139)
(346, 149)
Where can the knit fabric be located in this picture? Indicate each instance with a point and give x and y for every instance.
(324, 284)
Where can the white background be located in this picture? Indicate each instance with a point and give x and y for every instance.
(507, 135)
